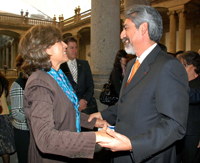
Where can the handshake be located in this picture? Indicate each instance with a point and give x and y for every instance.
(107, 137)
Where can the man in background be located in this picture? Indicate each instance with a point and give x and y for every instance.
(79, 74)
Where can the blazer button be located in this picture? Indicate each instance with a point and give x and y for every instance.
(29, 103)
(121, 101)
(118, 120)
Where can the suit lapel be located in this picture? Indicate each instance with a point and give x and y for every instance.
(141, 72)
(78, 69)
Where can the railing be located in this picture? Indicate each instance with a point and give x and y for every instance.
(25, 20)
(30, 21)
(10, 73)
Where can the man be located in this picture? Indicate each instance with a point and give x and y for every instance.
(80, 76)
(152, 110)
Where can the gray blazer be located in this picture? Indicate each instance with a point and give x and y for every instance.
(152, 110)
(51, 118)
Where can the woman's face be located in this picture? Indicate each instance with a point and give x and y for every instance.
(189, 69)
(123, 61)
(57, 54)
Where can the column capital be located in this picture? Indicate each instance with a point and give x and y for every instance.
(171, 12)
(76, 36)
(180, 11)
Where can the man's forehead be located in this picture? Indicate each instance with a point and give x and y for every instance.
(127, 21)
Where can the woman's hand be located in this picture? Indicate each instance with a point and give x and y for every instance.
(102, 136)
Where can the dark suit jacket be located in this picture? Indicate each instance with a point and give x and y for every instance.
(84, 89)
(152, 110)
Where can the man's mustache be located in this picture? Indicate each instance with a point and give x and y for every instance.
(125, 39)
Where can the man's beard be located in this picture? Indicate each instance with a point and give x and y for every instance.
(128, 47)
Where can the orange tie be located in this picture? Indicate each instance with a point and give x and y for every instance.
(135, 67)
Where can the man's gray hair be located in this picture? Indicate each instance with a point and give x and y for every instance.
(143, 13)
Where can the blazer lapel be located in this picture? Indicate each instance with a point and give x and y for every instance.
(141, 72)
(78, 70)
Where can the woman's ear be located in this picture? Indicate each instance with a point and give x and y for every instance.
(48, 51)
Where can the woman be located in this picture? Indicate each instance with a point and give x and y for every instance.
(50, 104)
(188, 145)
(7, 143)
(21, 130)
(117, 74)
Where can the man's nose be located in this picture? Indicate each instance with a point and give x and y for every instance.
(122, 35)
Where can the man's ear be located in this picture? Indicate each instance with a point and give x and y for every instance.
(143, 28)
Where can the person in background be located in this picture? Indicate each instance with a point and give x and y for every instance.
(21, 131)
(50, 103)
(118, 72)
(188, 147)
(152, 110)
(7, 142)
(178, 53)
(79, 74)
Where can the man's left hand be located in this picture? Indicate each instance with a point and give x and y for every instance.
(82, 104)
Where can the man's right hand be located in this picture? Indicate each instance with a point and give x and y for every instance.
(95, 115)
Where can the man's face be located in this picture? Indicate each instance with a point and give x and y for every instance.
(129, 36)
(72, 50)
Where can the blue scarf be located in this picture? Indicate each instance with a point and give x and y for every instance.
(64, 83)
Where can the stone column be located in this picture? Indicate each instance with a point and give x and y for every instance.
(1, 56)
(4, 56)
(182, 28)
(128, 3)
(12, 56)
(7, 57)
(172, 30)
(105, 40)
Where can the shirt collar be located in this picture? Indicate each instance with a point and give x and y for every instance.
(146, 53)
(70, 61)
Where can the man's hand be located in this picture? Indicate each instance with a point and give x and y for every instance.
(101, 123)
(95, 115)
(198, 145)
(82, 104)
(120, 142)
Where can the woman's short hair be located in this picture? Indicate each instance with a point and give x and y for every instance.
(33, 45)
(191, 58)
(19, 61)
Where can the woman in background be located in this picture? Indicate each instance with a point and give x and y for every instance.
(118, 71)
(188, 146)
(21, 131)
(7, 143)
(51, 105)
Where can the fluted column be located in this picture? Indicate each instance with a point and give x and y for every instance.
(12, 56)
(182, 28)
(128, 3)
(1, 56)
(7, 57)
(4, 56)
(172, 30)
